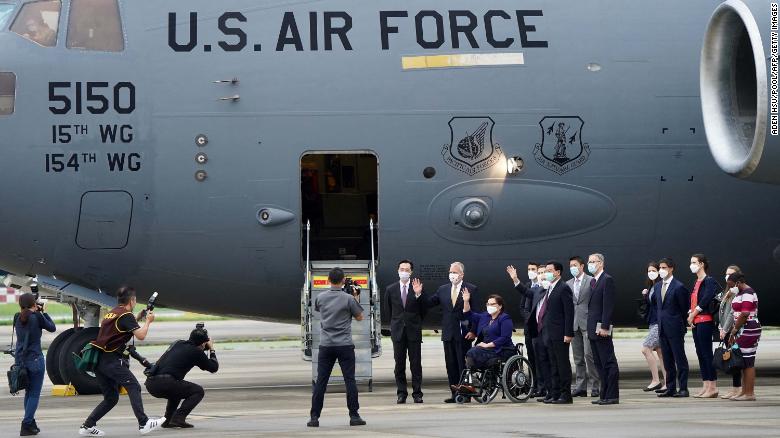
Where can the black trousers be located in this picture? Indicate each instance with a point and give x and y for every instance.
(560, 369)
(530, 354)
(543, 366)
(400, 351)
(326, 360)
(702, 338)
(175, 391)
(675, 361)
(111, 373)
(455, 360)
(606, 364)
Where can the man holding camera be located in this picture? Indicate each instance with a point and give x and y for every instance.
(166, 377)
(337, 309)
(112, 371)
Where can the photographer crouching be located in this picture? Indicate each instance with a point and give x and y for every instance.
(166, 377)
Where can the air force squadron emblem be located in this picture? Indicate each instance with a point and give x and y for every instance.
(471, 149)
(561, 149)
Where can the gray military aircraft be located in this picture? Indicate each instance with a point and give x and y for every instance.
(220, 152)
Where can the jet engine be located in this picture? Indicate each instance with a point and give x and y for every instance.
(739, 89)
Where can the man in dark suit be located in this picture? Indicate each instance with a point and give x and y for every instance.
(405, 304)
(673, 307)
(600, 309)
(556, 327)
(454, 325)
(530, 294)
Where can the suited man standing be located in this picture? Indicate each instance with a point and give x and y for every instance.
(601, 307)
(455, 334)
(530, 294)
(556, 327)
(673, 307)
(585, 369)
(405, 303)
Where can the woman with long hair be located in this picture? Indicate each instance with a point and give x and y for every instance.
(29, 326)
(652, 343)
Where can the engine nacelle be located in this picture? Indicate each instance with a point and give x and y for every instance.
(739, 86)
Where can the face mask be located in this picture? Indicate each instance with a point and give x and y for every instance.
(549, 276)
(492, 310)
(403, 275)
(546, 284)
(695, 268)
(454, 278)
(663, 273)
(532, 275)
(592, 268)
(575, 271)
(652, 275)
(734, 290)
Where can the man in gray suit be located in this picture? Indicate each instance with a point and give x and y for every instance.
(583, 356)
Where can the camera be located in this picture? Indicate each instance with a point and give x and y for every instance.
(200, 325)
(149, 307)
(351, 287)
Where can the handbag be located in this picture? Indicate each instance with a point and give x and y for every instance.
(728, 359)
(88, 359)
(18, 378)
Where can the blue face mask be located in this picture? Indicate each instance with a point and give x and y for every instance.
(575, 271)
(549, 276)
(592, 268)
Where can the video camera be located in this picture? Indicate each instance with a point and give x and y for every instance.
(132, 352)
(351, 287)
(149, 307)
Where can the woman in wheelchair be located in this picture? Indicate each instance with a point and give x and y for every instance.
(493, 330)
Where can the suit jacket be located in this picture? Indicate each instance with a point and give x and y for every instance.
(405, 321)
(673, 309)
(499, 332)
(452, 316)
(601, 305)
(558, 320)
(581, 303)
(530, 298)
(525, 306)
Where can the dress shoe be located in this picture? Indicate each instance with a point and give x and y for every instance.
(580, 393)
(653, 388)
(401, 399)
(596, 402)
(27, 430)
(35, 428)
(595, 393)
(661, 390)
(548, 400)
(449, 400)
(179, 422)
(564, 400)
(418, 399)
(313, 422)
(682, 393)
(356, 421)
(668, 394)
(609, 401)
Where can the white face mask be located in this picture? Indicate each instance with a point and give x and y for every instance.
(652, 275)
(454, 278)
(734, 290)
(575, 271)
(663, 273)
(403, 275)
(492, 310)
(695, 268)
(532, 275)
(546, 284)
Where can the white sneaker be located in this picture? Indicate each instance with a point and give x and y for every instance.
(92, 431)
(151, 425)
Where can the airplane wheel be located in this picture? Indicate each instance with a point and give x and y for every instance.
(84, 383)
(53, 358)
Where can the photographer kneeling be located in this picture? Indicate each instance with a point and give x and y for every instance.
(166, 377)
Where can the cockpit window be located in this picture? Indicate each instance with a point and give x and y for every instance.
(5, 13)
(38, 22)
(7, 93)
(95, 25)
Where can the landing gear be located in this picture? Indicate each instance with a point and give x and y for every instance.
(85, 383)
(53, 357)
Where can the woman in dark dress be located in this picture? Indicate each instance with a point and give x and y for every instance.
(652, 344)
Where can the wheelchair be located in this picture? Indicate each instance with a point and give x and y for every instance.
(513, 377)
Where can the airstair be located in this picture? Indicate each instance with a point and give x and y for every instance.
(366, 334)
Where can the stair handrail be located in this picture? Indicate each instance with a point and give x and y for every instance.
(374, 294)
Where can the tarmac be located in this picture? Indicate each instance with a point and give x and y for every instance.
(263, 389)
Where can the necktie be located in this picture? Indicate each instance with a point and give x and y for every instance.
(593, 283)
(542, 309)
(663, 291)
(454, 295)
(403, 295)
(577, 289)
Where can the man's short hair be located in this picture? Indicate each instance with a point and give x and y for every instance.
(336, 276)
(532, 263)
(668, 261)
(556, 265)
(460, 265)
(577, 259)
(599, 257)
(125, 294)
(411, 265)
